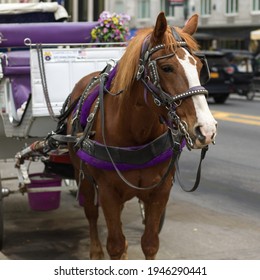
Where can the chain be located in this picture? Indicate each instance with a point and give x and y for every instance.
(182, 127)
(87, 130)
(90, 86)
(44, 82)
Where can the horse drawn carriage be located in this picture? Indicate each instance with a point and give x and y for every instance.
(40, 65)
(119, 131)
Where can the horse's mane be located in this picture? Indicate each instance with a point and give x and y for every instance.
(128, 64)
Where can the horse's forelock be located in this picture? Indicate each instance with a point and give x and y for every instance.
(171, 43)
(128, 64)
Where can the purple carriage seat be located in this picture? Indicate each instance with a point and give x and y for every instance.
(13, 34)
(16, 66)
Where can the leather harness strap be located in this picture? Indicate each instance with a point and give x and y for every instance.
(198, 174)
(130, 155)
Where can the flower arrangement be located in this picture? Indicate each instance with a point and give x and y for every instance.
(111, 28)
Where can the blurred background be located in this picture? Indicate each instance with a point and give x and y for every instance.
(222, 24)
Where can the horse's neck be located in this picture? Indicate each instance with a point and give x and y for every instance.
(135, 120)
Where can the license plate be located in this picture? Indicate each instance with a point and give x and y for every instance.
(214, 75)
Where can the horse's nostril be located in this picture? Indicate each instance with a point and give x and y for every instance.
(199, 134)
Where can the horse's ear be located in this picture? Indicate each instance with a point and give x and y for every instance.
(160, 28)
(191, 25)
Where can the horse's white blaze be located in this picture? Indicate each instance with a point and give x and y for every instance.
(205, 119)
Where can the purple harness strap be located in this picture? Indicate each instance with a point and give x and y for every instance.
(165, 153)
(92, 97)
(107, 165)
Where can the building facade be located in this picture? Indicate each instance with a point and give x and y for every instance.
(229, 22)
(222, 23)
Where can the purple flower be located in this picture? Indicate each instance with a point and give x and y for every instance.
(105, 15)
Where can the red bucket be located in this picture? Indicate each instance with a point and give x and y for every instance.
(44, 201)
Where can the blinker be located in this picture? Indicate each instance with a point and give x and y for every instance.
(146, 56)
(205, 72)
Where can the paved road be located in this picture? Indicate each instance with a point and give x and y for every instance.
(219, 221)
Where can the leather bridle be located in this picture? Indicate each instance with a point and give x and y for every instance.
(147, 73)
(151, 79)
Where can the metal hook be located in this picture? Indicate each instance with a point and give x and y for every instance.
(157, 102)
(177, 104)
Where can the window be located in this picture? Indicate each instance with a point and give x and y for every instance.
(231, 6)
(167, 7)
(143, 9)
(232, 44)
(205, 7)
(256, 5)
(99, 7)
(80, 9)
(83, 11)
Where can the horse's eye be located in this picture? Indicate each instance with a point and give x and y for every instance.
(167, 68)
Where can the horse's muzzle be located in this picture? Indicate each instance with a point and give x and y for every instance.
(205, 135)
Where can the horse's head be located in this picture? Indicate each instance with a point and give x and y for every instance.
(172, 71)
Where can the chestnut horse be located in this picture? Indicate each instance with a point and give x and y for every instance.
(147, 107)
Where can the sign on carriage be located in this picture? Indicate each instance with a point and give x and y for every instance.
(64, 55)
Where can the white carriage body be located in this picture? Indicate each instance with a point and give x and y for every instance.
(64, 67)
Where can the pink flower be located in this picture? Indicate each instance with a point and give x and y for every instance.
(111, 27)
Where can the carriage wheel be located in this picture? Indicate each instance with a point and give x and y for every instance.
(1, 216)
(142, 210)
